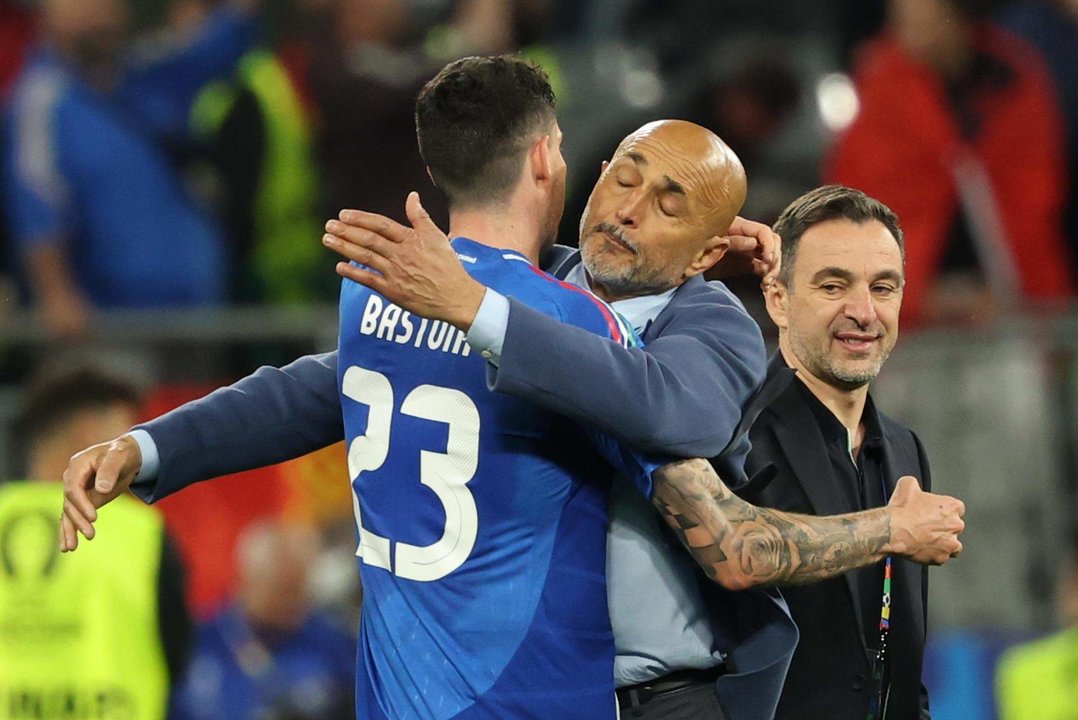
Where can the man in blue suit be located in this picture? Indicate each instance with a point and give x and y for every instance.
(708, 346)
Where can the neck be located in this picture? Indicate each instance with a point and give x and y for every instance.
(610, 295)
(506, 230)
(846, 405)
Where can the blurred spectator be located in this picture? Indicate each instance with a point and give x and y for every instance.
(497, 27)
(1039, 681)
(1052, 27)
(17, 28)
(268, 656)
(255, 133)
(98, 633)
(748, 101)
(960, 133)
(98, 212)
(365, 73)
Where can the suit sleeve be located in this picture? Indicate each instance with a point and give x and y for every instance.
(926, 483)
(681, 395)
(273, 415)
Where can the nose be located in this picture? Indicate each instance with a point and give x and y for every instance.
(629, 212)
(860, 308)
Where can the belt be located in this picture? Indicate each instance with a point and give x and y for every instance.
(645, 692)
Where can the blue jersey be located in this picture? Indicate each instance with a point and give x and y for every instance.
(482, 534)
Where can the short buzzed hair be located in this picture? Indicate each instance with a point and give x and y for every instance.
(829, 202)
(474, 121)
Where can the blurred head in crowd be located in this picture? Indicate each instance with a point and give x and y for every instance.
(489, 27)
(67, 409)
(275, 560)
(839, 292)
(371, 22)
(938, 33)
(487, 132)
(90, 33)
(660, 210)
(750, 105)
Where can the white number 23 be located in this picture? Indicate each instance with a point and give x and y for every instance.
(446, 474)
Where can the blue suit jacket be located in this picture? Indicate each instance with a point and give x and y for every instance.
(681, 395)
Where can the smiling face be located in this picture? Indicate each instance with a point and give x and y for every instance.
(657, 215)
(838, 314)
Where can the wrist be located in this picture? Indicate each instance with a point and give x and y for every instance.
(897, 542)
(463, 313)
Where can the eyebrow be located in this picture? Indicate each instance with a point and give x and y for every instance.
(848, 276)
(669, 184)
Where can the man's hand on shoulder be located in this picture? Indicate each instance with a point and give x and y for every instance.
(94, 477)
(924, 526)
(414, 267)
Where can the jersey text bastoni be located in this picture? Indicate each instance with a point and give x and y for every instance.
(387, 321)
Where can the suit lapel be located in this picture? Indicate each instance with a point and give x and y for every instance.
(558, 260)
(802, 442)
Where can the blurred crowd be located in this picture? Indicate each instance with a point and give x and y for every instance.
(184, 153)
(162, 154)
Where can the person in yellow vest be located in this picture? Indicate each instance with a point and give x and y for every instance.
(1039, 680)
(110, 654)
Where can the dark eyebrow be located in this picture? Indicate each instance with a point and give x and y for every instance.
(892, 275)
(835, 272)
(832, 272)
(672, 185)
(669, 184)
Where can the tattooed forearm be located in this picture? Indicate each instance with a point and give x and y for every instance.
(740, 545)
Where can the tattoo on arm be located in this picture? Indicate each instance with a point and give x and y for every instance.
(740, 545)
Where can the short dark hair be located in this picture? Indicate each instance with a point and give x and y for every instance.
(475, 119)
(829, 202)
(55, 395)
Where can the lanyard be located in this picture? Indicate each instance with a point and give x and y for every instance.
(877, 709)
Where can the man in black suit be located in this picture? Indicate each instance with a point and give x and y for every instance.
(828, 450)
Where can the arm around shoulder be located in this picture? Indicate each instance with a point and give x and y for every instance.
(272, 415)
(682, 394)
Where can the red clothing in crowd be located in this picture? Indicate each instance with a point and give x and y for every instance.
(17, 31)
(904, 144)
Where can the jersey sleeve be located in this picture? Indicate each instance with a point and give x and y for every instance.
(36, 193)
(636, 466)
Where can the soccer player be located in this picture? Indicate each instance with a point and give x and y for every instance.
(482, 544)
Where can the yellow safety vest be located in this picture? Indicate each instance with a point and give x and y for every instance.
(1039, 680)
(79, 633)
(288, 259)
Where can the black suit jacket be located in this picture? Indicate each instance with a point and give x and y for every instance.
(830, 676)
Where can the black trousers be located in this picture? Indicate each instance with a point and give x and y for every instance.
(698, 702)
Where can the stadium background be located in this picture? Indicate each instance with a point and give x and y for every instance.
(992, 388)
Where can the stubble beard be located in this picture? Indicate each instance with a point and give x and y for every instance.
(842, 374)
(622, 280)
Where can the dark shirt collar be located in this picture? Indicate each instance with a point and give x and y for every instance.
(834, 432)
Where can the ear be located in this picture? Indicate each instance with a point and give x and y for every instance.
(713, 251)
(539, 160)
(603, 166)
(777, 299)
